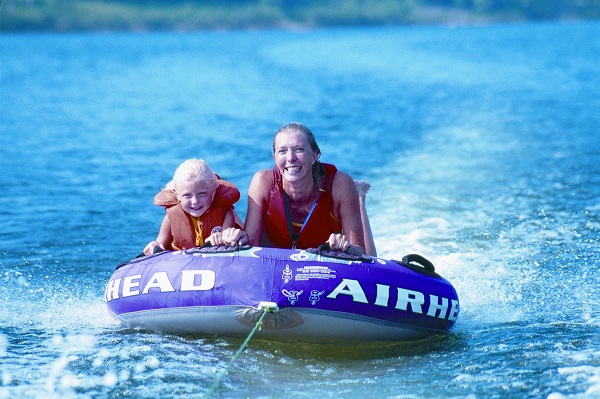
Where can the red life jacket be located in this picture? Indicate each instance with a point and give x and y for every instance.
(183, 224)
(320, 224)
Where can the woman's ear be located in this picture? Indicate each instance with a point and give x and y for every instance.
(317, 155)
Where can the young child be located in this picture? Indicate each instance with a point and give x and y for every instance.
(199, 208)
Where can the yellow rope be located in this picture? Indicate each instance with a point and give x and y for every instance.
(217, 381)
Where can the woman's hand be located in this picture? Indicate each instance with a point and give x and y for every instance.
(149, 249)
(340, 242)
(230, 237)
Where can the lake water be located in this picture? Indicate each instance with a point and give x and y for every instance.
(482, 145)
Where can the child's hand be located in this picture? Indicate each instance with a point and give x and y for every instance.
(149, 249)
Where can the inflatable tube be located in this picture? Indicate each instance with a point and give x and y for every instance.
(316, 295)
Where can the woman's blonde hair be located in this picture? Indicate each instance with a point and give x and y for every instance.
(193, 170)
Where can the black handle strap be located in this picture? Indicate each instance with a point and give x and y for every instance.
(349, 254)
(419, 260)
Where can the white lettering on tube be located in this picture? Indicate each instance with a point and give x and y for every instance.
(112, 289)
(406, 297)
(383, 295)
(159, 280)
(129, 283)
(188, 280)
(349, 287)
(453, 315)
(434, 306)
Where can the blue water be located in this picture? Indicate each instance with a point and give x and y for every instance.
(482, 145)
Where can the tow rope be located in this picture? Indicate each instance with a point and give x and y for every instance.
(267, 307)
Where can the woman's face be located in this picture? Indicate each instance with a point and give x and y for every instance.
(293, 156)
(195, 197)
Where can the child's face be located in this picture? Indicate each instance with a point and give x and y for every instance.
(195, 197)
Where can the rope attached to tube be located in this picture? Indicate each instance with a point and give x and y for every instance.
(266, 307)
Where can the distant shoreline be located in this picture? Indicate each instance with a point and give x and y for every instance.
(131, 15)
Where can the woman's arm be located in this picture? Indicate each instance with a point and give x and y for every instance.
(258, 193)
(362, 188)
(346, 209)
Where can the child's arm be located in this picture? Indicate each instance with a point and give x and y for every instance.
(164, 237)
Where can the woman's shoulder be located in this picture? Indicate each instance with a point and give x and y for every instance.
(343, 186)
(261, 182)
(342, 180)
(264, 172)
(264, 176)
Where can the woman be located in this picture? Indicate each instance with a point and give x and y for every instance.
(302, 203)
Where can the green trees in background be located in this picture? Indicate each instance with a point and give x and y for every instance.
(528, 8)
(209, 14)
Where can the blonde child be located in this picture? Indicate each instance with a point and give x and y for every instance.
(199, 208)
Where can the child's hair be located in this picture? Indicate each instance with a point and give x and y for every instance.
(193, 170)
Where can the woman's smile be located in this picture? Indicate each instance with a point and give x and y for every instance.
(293, 155)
